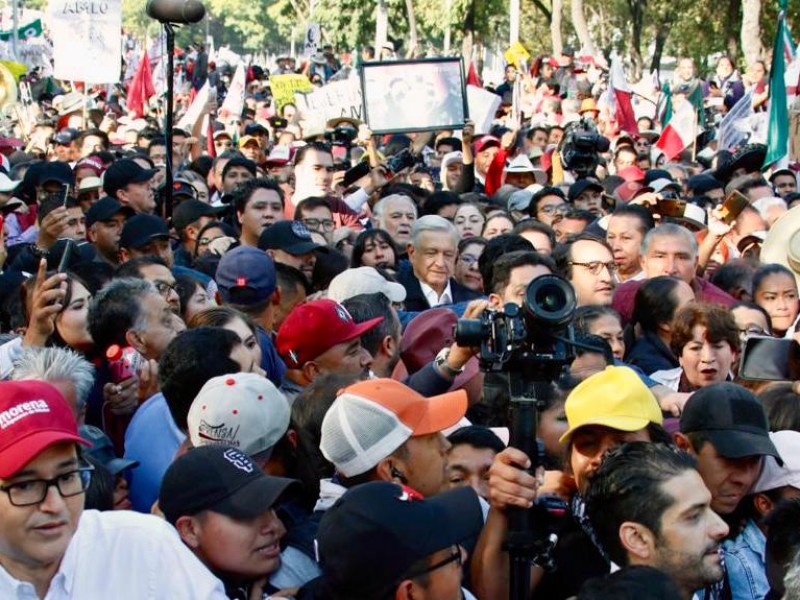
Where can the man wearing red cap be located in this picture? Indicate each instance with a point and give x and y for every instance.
(49, 547)
(321, 337)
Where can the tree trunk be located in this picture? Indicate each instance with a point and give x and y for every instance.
(636, 10)
(412, 29)
(469, 34)
(381, 26)
(662, 33)
(732, 20)
(555, 28)
(751, 30)
(581, 28)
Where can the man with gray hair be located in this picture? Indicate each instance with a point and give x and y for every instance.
(64, 369)
(669, 249)
(432, 252)
(396, 214)
(131, 312)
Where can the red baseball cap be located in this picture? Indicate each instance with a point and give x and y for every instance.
(33, 416)
(315, 327)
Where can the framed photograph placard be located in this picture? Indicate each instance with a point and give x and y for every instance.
(414, 95)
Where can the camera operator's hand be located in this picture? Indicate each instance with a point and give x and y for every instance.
(459, 355)
(46, 303)
(509, 485)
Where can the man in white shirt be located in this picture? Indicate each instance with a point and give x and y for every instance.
(50, 549)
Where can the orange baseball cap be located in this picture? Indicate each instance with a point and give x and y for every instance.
(371, 419)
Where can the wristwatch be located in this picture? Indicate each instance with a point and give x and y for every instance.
(441, 363)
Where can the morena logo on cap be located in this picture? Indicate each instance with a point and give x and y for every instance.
(240, 460)
(16, 413)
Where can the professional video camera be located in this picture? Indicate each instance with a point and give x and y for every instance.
(342, 135)
(533, 344)
(525, 338)
(580, 147)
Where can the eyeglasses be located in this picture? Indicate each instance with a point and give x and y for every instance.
(468, 259)
(34, 491)
(455, 557)
(164, 287)
(554, 209)
(752, 330)
(596, 266)
(314, 224)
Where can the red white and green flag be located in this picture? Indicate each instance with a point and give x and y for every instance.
(680, 132)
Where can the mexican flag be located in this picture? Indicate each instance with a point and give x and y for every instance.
(778, 128)
(680, 131)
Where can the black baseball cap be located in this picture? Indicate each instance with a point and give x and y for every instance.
(290, 236)
(700, 184)
(732, 418)
(104, 209)
(382, 525)
(219, 478)
(188, 211)
(181, 189)
(140, 230)
(65, 136)
(125, 171)
(102, 450)
(55, 171)
(580, 186)
(255, 129)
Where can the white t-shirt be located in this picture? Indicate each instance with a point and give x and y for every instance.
(123, 554)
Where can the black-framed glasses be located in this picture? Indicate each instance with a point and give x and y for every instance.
(596, 266)
(456, 556)
(315, 224)
(34, 491)
(164, 287)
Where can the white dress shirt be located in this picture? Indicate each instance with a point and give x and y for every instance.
(123, 554)
(435, 299)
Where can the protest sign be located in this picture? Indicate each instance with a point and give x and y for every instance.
(483, 106)
(313, 37)
(284, 86)
(86, 39)
(337, 99)
(234, 100)
(517, 54)
(32, 29)
(414, 95)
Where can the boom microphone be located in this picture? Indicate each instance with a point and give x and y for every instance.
(176, 11)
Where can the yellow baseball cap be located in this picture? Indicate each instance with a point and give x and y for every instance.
(615, 398)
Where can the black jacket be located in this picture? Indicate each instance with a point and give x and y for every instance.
(415, 299)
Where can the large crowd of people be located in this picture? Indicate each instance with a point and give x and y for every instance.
(245, 381)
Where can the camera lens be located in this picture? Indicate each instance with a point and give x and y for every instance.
(550, 301)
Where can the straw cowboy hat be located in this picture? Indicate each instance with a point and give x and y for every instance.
(782, 243)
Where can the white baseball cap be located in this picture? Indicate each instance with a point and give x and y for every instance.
(364, 280)
(243, 410)
(774, 476)
(7, 184)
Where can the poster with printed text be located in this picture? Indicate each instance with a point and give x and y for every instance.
(86, 36)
